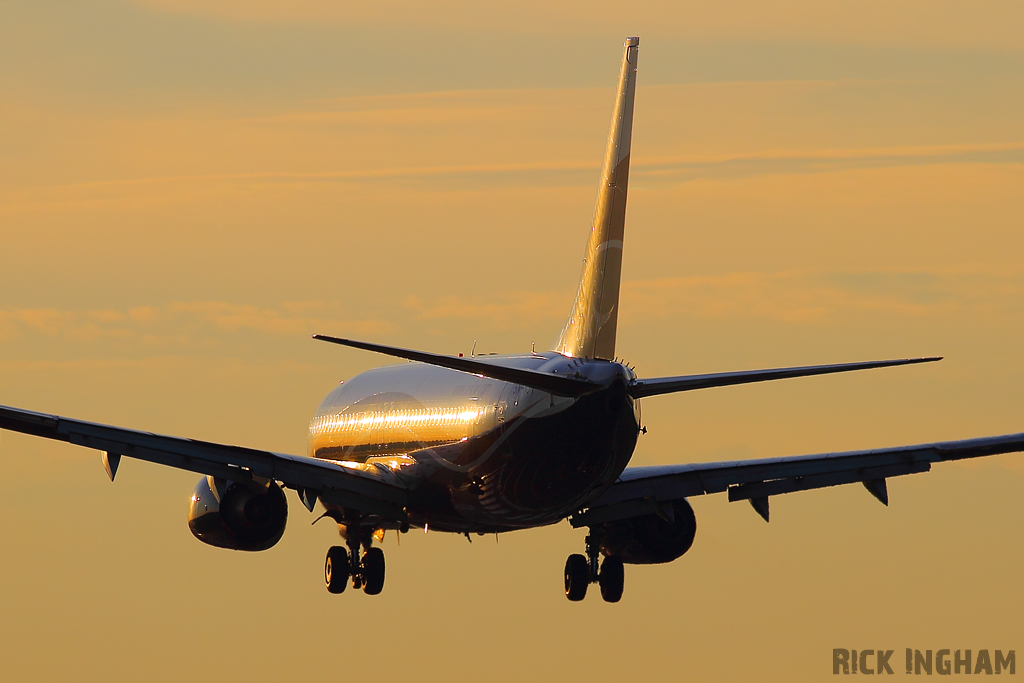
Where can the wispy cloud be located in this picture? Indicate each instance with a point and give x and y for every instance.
(501, 311)
(805, 297)
(649, 172)
(180, 323)
(844, 21)
(824, 160)
(791, 296)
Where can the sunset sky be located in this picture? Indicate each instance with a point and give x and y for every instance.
(190, 189)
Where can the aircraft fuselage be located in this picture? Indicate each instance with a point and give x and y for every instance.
(482, 455)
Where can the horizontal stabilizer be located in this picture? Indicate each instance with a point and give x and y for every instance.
(543, 381)
(671, 385)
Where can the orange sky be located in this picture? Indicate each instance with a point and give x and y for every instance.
(189, 190)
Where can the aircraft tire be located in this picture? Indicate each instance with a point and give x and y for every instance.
(577, 577)
(336, 569)
(373, 571)
(611, 579)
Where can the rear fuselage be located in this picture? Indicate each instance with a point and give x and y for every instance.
(479, 454)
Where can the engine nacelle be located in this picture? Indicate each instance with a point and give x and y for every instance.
(238, 516)
(651, 539)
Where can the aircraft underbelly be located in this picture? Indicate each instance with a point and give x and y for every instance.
(547, 467)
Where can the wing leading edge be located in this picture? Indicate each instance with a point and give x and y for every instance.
(312, 478)
(645, 490)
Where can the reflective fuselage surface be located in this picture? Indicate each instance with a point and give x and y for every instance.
(482, 455)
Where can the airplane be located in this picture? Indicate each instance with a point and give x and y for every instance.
(496, 443)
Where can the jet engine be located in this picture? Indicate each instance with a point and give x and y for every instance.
(651, 539)
(237, 515)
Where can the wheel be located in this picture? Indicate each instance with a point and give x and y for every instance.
(577, 577)
(373, 571)
(611, 579)
(336, 569)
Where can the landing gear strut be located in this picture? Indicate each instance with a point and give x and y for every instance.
(582, 571)
(366, 572)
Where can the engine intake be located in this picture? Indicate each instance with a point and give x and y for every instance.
(235, 515)
(651, 539)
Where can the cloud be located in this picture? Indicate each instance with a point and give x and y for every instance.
(645, 173)
(180, 323)
(289, 320)
(943, 22)
(51, 322)
(790, 296)
(500, 312)
(814, 297)
(800, 297)
(794, 162)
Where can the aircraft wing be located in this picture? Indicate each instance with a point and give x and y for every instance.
(312, 478)
(645, 490)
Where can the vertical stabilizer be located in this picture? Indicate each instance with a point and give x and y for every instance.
(590, 330)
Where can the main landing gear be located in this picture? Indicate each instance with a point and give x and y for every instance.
(581, 571)
(366, 572)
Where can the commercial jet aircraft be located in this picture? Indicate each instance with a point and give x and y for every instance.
(489, 444)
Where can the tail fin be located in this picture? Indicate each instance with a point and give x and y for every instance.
(590, 330)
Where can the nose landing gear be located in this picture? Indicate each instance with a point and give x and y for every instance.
(582, 571)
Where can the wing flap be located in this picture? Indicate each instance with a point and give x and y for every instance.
(774, 487)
